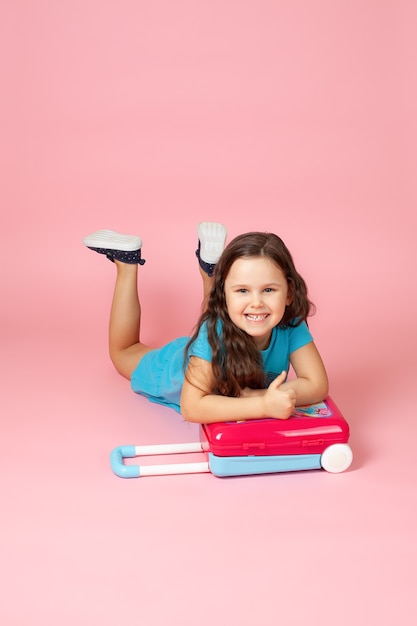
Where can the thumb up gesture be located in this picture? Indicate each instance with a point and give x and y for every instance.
(279, 403)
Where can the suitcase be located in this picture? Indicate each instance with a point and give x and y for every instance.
(314, 437)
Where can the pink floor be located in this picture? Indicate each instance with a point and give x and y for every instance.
(147, 118)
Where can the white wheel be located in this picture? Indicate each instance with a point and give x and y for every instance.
(336, 458)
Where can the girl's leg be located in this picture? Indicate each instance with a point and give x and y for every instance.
(125, 347)
(207, 284)
(211, 240)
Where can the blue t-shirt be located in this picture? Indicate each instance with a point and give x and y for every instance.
(160, 373)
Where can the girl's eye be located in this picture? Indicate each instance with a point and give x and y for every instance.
(268, 289)
(243, 291)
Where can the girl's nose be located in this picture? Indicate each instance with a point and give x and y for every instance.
(256, 300)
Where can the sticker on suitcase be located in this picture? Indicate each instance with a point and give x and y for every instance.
(321, 409)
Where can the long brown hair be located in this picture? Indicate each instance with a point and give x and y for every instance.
(236, 360)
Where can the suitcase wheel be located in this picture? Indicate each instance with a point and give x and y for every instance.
(336, 458)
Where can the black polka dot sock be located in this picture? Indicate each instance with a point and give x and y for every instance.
(131, 257)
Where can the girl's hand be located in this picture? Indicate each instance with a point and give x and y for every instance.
(279, 403)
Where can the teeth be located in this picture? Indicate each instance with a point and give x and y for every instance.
(256, 318)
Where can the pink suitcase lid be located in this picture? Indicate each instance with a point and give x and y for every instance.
(310, 430)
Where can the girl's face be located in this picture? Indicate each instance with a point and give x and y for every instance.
(256, 293)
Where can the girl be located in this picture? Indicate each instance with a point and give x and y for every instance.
(252, 328)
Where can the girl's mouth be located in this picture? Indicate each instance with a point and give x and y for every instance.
(256, 318)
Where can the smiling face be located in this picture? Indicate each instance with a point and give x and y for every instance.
(257, 293)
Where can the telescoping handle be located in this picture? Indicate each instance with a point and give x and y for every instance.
(118, 455)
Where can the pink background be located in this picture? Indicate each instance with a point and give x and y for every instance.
(148, 117)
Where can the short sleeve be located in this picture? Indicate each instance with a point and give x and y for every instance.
(299, 336)
(201, 347)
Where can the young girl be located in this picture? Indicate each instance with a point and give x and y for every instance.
(252, 328)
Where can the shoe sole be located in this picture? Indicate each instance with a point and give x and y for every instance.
(212, 236)
(110, 240)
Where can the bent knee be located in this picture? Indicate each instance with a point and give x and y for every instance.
(126, 361)
(120, 365)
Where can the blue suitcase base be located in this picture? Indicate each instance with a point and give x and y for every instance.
(246, 465)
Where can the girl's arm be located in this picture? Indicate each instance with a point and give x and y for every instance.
(199, 404)
(311, 383)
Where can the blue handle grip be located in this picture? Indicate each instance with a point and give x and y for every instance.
(117, 465)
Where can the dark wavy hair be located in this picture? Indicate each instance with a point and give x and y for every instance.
(236, 360)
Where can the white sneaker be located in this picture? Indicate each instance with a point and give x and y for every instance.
(110, 240)
(212, 237)
(116, 247)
